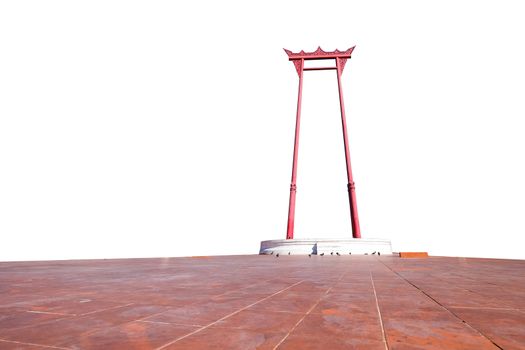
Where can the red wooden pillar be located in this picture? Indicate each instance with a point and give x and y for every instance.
(354, 218)
(293, 186)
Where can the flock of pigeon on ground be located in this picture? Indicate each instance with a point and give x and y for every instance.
(332, 253)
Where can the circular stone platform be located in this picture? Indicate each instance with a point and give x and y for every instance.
(342, 246)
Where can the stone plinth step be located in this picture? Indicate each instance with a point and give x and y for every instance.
(343, 246)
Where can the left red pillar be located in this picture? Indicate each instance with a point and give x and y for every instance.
(299, 64)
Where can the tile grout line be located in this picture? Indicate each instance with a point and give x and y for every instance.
(94, 312)
(485, 308)
(49, 313)
(379, 312)
(250, 286)
(309, 311)
(43, 323)
(227, 316)
(302, 318)
(33, 344)
(172, 323)
(443, 306)
(196, 302)
(101, 310)
(474, 292)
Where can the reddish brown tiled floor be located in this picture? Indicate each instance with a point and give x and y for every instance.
(264, 302)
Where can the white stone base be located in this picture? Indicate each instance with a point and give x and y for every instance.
(343, 246)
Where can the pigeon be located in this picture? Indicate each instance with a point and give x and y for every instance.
(277, 255)
(338, 254)
(350, 253)
(271, 253)
(322, 254)
(288, 253)
(378, 253)
(366, 253)
(374, 252)
(332, 253)
(309, 255)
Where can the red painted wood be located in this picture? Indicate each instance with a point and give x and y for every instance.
(354, 217)
(340, 60)
(293, 187)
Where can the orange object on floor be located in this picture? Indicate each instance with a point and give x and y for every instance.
(413, 255)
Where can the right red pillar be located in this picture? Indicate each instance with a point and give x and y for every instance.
(354, 217)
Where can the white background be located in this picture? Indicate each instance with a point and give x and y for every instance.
(165, 128)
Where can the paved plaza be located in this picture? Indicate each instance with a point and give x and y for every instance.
(264, 302)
